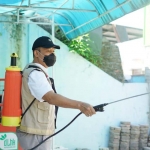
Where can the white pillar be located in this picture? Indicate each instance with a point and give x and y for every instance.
(53, 39)
(147, 49)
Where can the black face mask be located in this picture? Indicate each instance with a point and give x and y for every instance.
(49, 59)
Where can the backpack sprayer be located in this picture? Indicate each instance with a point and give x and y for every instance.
(11, 109)
(11, 112)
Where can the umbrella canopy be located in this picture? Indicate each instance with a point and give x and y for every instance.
(74, 17)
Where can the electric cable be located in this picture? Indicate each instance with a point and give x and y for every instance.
(97, 108)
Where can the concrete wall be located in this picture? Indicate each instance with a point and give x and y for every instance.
(78, 79)
(111, 60)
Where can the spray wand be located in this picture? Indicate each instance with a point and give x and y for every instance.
(97, 108)
(100, 107)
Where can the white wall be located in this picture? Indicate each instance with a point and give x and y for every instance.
(78, 79)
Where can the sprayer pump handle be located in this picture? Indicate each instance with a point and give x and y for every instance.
(100, 107)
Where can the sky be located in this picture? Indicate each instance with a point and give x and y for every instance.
(134, 19)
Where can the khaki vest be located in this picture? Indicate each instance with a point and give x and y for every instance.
(39, 119)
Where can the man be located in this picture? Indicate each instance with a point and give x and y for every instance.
(39, 99)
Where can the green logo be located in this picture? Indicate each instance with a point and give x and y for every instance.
(3, 137)
(8, 141)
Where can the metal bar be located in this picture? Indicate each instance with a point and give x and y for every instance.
(45, 8)
(42, 2)
(17, 15)
(65, 18)
(54, 12)
(94, 6)
(121, 7)
(51, 12)
(60, 15)
(105, 9)
(133, 6)
(53, 29)
(2, 79)
(72, 4)
(99, 16)
(7, 12)
(29, 2)
(21, 2)
(61, 6)
(53, 39)
(35, 23)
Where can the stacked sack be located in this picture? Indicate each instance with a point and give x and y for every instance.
(143, 140)
(124, 136)
(114, 138)
(134, 137)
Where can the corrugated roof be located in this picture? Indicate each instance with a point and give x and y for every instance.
(74, 17)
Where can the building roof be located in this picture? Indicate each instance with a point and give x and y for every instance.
(109, 31)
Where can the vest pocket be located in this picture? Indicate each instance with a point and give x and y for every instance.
(43, 112)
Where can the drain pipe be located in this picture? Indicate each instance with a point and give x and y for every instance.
(147, 77)
(53, 39)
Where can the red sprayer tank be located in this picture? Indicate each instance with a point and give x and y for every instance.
(11, 111)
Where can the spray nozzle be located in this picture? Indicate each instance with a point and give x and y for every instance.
(100, 107)
(13, 59)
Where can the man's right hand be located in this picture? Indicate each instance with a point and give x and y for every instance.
(87, 109)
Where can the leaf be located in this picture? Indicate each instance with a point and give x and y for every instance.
(3, 137)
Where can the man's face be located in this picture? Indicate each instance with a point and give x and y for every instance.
(40, 52)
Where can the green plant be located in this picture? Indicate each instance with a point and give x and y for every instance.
(16, 33)
(80, 45)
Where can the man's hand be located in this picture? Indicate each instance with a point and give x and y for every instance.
(87, 109)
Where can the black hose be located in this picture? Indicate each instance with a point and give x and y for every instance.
(57, 131)
(97, 108)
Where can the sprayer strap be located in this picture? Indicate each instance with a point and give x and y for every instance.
(28, 108)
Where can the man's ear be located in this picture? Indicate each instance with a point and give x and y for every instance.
(36, 54)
